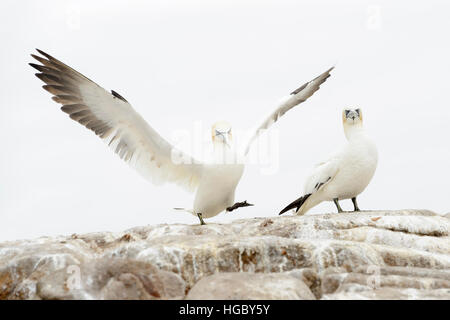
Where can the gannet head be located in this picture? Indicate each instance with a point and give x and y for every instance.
(221, 133)
(351, 117)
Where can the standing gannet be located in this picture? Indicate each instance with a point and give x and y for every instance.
(346, 174)
(114, 120)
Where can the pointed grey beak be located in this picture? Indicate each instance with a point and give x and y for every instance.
(352, 115)
(225, 140)
(224, 136)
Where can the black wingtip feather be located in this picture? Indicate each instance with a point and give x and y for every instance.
(298, 90)
(34, 65)
(38, 58)
(48, 78)
(44, 54)
(38, 67)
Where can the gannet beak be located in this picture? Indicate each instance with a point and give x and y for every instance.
(350, 114)
(225, 141)
(223, 136)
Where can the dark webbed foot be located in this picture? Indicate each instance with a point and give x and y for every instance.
(336, 202)
(239, 205)
(355, 205)
(200, 216)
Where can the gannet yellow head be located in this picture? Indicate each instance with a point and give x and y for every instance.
(352, 120)
(351, 117)
(221, 133)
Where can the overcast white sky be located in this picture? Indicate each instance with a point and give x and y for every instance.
(182, 64)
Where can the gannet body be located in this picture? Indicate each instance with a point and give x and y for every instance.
(346, 174)
(114, 120)
(216, 190)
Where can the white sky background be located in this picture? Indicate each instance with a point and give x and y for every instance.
(180, 64)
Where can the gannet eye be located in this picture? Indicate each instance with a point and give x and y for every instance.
(218, 132)
(346, 112)
(357, 111)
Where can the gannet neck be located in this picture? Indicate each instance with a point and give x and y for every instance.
(223, 153)
(220, 146)
(353, 131)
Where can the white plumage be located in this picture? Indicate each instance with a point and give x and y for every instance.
(344, 175)
(114, 120)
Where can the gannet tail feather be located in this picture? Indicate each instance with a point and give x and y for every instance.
(296, 204)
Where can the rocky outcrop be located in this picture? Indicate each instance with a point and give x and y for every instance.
(254, 286)
(367, 255)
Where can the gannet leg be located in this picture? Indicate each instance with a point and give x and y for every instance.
(239, 205)
(355, 204)
(200, 216)
(336, 202)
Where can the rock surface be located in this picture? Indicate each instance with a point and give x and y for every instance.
(250, 286)
(401, 254)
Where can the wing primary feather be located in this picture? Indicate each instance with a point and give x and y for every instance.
(56, 90)
(73, 108)
(296, 204)
(44, 69)
(66, 99)
(45, 62)
(324, 77)
(48, 78)
(299, 89)
(45, 54)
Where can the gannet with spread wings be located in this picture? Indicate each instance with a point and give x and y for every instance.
(114, 120)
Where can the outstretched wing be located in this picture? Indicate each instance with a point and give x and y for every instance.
(114, 120)
(295, 98)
